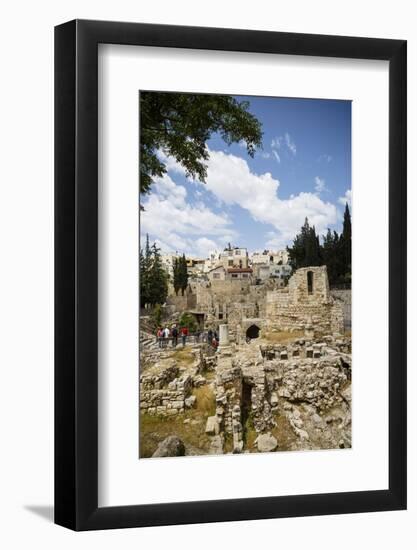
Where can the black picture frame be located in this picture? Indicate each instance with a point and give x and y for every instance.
(76, 272)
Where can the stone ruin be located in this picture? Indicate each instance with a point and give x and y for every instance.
(306, 382)
(273, 378)
(164, 393)
(305, 304)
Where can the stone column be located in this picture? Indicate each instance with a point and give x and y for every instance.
(309, 328)
(224, 335)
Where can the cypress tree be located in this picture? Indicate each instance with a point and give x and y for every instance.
(183, 274)
(153, 279)
(305, 251)
(145, 263)
(177, 275)
(158, 278)
(347, 243)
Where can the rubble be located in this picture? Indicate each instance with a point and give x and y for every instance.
(303, 383)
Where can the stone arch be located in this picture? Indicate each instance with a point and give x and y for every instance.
(252, 332)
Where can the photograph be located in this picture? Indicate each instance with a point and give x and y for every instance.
(245, 267)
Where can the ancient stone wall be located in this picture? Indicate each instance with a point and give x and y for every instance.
(345, 298)
(182, 303)
(306, 302)
(164, 393)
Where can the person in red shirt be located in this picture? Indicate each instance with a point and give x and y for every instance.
(215, 343)
(184, 334)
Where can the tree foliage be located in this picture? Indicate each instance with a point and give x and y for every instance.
(176, 270)
(306, 248)
(180, 274)
(335, 252)
(153, 278)
(180, 125)
(183, 272)
(188, 320)
(156, 317)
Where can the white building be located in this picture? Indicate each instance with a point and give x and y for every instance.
(239, 273)
(278, 272)
(217, 273)
(234, 257)
(276, 257)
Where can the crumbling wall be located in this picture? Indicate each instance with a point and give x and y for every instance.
(345, 298)
(302, 305)
(164, 393)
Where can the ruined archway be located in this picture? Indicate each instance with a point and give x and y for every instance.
(252, 332)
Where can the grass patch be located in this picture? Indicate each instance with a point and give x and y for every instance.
(209, 375)
(283, 433)
(206, 400)
(228, 443)
(154, 429)
(183, 355)
(249, 435)
(282, 337)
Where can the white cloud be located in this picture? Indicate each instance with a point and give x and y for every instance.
(280, 142)
(347, 198)
(205, 246)
(171, 164)
(276, 142)
(265, 155)
(319, 185)
(290, 144)
(176, 224)
(277, 157)
(325, 158)
(196, 229)
(231, 181)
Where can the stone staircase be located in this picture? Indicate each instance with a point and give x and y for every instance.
(147, 340)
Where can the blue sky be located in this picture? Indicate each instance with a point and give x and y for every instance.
(304, 169)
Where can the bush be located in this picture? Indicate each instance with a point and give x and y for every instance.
(188, 320)
(156, 317)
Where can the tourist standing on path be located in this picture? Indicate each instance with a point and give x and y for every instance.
(159, 336)
(166, 336)
(174, 336)
(209, 336)
(184, 334)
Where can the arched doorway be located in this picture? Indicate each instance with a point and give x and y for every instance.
(252, 332)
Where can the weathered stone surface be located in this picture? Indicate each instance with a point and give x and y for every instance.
(266, 443)
(170, 446)
(189, 402)
(212, 426)
(305, 383)
(216, 445)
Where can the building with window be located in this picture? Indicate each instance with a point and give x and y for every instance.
(275, 257)
(239, 273)
(217, 273)
(234, 257)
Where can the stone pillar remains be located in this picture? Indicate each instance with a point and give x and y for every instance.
(224, 335)
(309, 328)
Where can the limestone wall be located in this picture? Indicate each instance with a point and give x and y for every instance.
(345, 298)
(182, 303)
(164, 393)
(304, 304)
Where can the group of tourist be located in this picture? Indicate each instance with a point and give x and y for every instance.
(163, 336)
(166, 334)
(213, 338)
